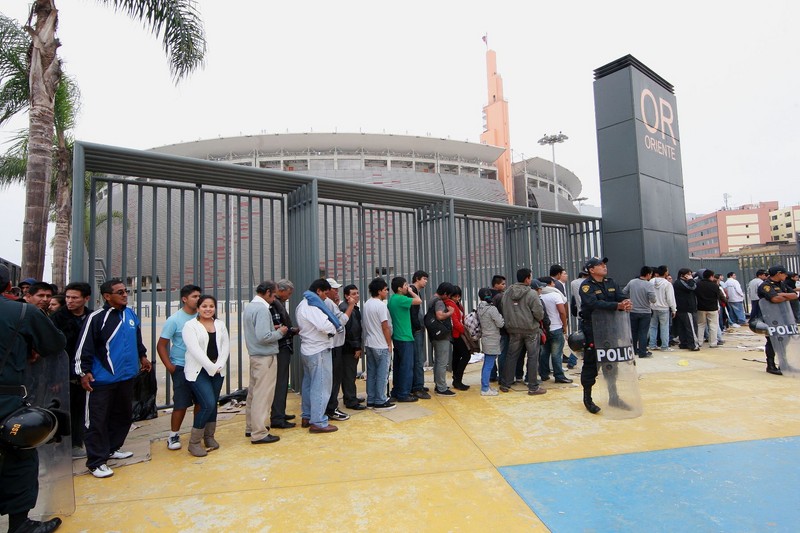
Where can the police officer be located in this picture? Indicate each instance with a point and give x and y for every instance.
(19, 468)
(774, 290)
(597, 292)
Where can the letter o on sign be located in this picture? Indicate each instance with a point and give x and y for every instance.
(646, 94)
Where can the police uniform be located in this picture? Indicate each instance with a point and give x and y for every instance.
(768, 290)
(604, 294)
(19, 469)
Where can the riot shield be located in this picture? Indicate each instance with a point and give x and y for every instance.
(616, 363)
(47, 381)
(782, 330)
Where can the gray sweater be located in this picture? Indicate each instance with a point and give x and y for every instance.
(491, 322)
(260, 335)
(642, 293)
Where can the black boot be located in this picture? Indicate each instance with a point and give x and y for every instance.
(587, 401)
(772, 368)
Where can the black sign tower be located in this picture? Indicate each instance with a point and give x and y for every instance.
(641, 181)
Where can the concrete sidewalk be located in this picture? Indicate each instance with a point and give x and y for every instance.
(470, 463)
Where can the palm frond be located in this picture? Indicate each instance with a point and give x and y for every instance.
(14, 87)
(179, 25)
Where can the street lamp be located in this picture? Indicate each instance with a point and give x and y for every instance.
(552, 140)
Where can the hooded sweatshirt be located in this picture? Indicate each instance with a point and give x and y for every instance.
(665, 295)
(522, 310)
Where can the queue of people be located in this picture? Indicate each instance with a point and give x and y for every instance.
(511, 325)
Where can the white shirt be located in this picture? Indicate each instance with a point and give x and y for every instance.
(338, 339)
(314, 329)
(734, 290)
(550, 300)
(373, 315)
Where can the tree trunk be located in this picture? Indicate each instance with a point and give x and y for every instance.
(45, 73)
(63, 213)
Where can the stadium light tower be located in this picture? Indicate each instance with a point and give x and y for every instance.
(552, 140)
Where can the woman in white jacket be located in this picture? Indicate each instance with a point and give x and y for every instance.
(207, 352)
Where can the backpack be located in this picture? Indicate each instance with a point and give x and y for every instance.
(472, 324)
(438, 330)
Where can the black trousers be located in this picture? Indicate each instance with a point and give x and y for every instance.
(336, 382)
(686, 328)
(461, 357)
(278, 413)
(77, 410)
(110, 416)
(589, 371)
(349, 373)
(19, 480)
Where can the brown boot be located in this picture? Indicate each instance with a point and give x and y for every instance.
(208, 436)
(196, 447)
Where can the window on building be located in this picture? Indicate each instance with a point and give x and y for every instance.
(788, 225)
(321, 164)
(348, 164)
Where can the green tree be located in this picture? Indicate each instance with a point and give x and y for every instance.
(14, 98)
(178, 24)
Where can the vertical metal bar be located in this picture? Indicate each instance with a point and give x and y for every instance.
(92, 234)
(124, 269)
(139, 219)
(182, 246)
(154, 275)
(78, 269)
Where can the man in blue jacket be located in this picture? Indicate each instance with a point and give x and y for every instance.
(109, 355)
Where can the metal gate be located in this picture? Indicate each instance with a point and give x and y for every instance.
(160, 221)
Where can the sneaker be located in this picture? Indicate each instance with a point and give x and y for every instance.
(388, 406)
(734, 326)
(408, 399)
(78, 452)
(667, 349)
(174, 443)
(447, 392)
(338, 415)
(490, 392)
(422, 395)
(102, 471)
(119, 454)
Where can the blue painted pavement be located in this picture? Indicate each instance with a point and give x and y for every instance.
(749, 486)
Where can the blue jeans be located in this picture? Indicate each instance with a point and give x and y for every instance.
(418, 381)
(206, 391)
(403, 368)
(736, 310)
(442, 351)
(316, 388)
(377, 375)
(640, 323)
(659, 322)
(552, 352)
(486, 370)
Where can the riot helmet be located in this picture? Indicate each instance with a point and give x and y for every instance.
(576, 340)
(28, 427)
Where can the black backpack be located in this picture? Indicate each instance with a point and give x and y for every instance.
(438, 330)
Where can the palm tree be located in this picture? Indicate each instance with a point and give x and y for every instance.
(177, 22)
(14, 97)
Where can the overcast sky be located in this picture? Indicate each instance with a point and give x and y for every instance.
(419, 68)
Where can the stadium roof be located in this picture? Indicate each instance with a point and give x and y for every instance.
(375, 143)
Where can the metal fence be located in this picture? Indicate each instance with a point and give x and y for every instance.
(159, 221)
(746, 267)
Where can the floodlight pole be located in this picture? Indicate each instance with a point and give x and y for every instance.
(552, 140)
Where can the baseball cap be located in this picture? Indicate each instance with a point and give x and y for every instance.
(777, 269)
(333, 283)
(593, 262)
(536, 284)
(27, 281)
